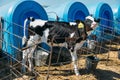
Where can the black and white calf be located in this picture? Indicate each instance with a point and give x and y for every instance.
(29, 42)
(69, 33)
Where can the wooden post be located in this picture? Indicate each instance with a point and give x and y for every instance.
(47, 77)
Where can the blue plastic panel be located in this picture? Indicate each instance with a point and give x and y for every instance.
(104, 12)
(74, 11)
(117, 23)
(17, 13)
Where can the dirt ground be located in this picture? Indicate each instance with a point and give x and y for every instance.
(107, 69)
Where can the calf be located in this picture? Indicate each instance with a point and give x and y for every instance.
(69, 33)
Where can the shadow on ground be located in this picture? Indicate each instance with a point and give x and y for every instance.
(102, 74)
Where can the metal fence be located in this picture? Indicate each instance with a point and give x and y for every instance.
(10, 66)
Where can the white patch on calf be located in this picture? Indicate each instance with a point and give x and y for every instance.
(45, 36)
(46, 32)
(72, 34)
(93, 25)
(72, 23)
(90, 17)
(33, 39)
(38, 22)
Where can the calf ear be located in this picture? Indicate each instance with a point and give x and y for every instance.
(77, 21)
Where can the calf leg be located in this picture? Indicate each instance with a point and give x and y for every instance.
(30, 64)
(24, 60)
(30, 61)
(74, 59)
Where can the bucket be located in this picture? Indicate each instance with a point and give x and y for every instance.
(41, 57)
(118, 53)
(91, 62)
(41, 54)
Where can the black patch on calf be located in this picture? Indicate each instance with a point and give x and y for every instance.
(79, 40)
(88, 22)
(31, 30)
(31, 19)
(39, 30)
(59, 31)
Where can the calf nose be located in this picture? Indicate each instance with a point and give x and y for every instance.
(72, 49)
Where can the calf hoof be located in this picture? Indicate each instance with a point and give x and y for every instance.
(77, 73)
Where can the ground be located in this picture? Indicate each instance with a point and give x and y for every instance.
(107, 69)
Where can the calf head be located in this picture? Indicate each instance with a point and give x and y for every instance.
(91, 23)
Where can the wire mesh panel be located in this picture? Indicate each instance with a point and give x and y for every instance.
(56, 64)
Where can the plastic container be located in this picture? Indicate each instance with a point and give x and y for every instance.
(42, 54)
(91, 63)
(16, 12)
(41, 57)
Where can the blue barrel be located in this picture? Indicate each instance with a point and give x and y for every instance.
(104, 12)
(117, 22)
(74, 11)
(16, 12)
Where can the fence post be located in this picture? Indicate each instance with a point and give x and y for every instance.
(1, 26)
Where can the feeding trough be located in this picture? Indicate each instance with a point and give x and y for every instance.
(91, 63)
